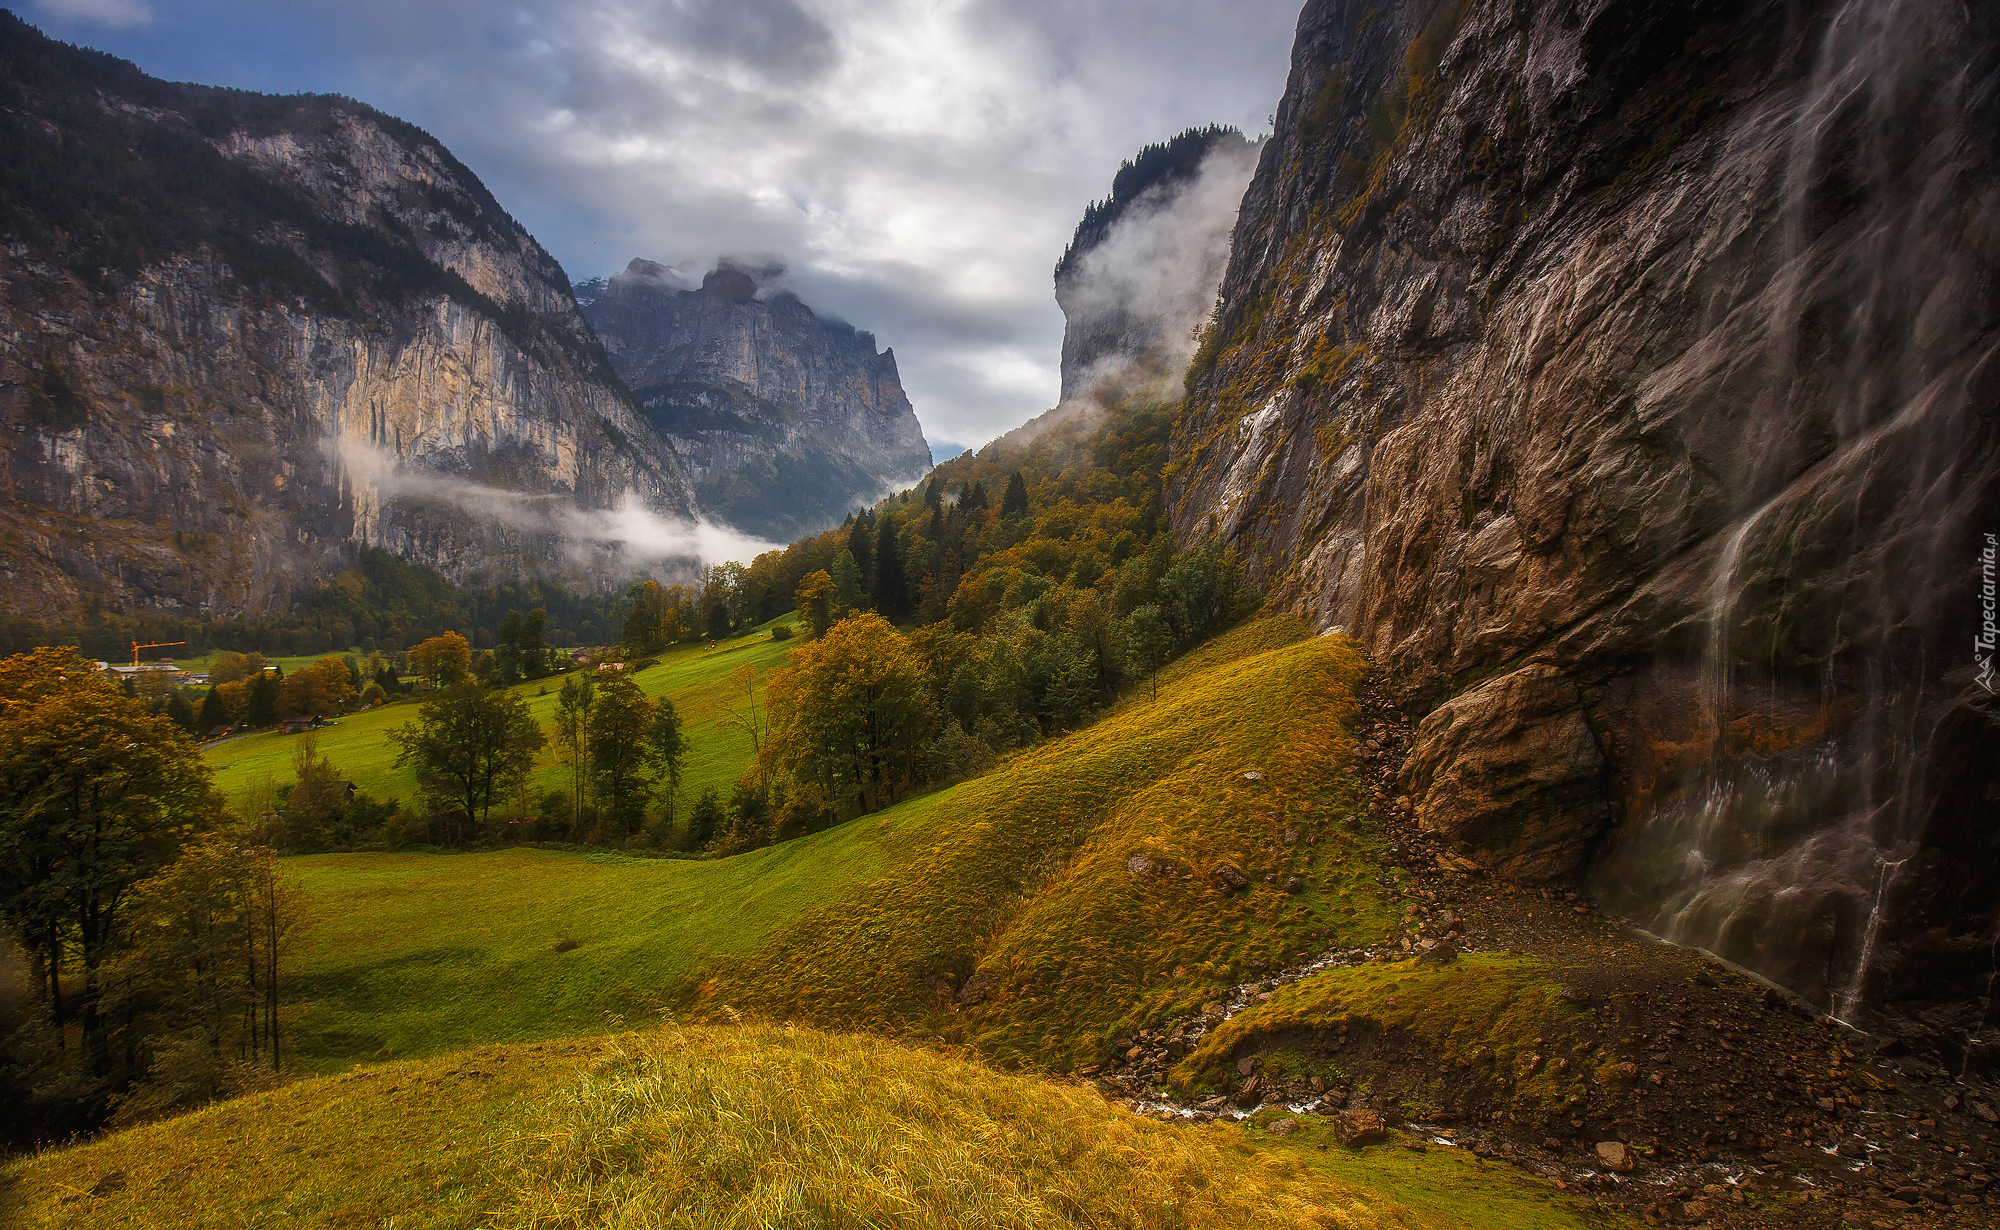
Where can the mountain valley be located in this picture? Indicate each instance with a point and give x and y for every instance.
(1473, 709)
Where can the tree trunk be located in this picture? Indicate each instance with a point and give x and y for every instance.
(271, 956)
(55, 983)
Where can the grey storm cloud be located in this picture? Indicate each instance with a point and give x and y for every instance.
(916, 165)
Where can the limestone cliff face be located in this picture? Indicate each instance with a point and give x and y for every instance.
(241, 335)
(788, 422)
(1622, 375)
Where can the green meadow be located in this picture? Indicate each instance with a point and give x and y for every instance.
(1022, 870)
(696, 677)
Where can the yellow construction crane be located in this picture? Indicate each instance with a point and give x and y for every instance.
(136, 647)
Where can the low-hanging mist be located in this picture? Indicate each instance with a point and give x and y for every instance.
(600, 545)
(1136, 295)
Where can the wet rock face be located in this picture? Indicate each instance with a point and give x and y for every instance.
(1512, 771)
(295, 328)
(788, 422)
(1621, 375)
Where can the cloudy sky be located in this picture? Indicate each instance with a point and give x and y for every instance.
(917, 164)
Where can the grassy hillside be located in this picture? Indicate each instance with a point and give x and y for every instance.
(748, 1127)
(1021, 877)
(696, 677)
(1017, 920)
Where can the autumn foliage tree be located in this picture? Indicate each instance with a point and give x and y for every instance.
(850, 716)
(320, 690)
(442, 660)
(96, 795)
(815, 602)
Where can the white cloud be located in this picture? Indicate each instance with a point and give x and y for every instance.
(116, 14)
(1159, 267)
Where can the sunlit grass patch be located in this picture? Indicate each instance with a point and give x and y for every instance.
(754, 1126)
(1011, 916)
(696, 677)
(763, 1126)
(1499, 1018)
(1022, 873)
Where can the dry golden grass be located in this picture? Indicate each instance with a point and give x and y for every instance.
(785, 1127)
(1022, 879)
(750, 1128)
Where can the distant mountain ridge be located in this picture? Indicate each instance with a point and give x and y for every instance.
(242, 336)
(788, 421)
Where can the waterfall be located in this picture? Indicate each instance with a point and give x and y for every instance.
(1828, 628)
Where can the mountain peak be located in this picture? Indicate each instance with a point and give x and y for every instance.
(789, 419)
(729, 282)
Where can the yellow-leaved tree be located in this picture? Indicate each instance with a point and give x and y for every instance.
(849, 718)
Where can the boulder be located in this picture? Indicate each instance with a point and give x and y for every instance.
(1229, 879)
(1360, 1126)
(1510, 769)
(1282, 1127)
(1615, 1155)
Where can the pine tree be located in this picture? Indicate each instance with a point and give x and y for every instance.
(891, 589)
(213, 713)
(859, 545)
(1015, 502)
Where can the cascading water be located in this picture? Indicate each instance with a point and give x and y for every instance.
(1785, 827)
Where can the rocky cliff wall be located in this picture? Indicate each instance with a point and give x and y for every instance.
(1622, 375)
(788, 422)
(242, 335)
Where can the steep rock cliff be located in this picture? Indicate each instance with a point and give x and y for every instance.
(241, 335)
(1622, 374)
(1142, 268)
(788, 422)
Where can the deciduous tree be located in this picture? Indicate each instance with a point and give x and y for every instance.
(645, 629)
(620, 724)
(851, 714)
(96, 794)
(320, 690)
(467, 745)
(1151, 642)
(666, 755)
(815, 602)
(443, 660)
(573, 707)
